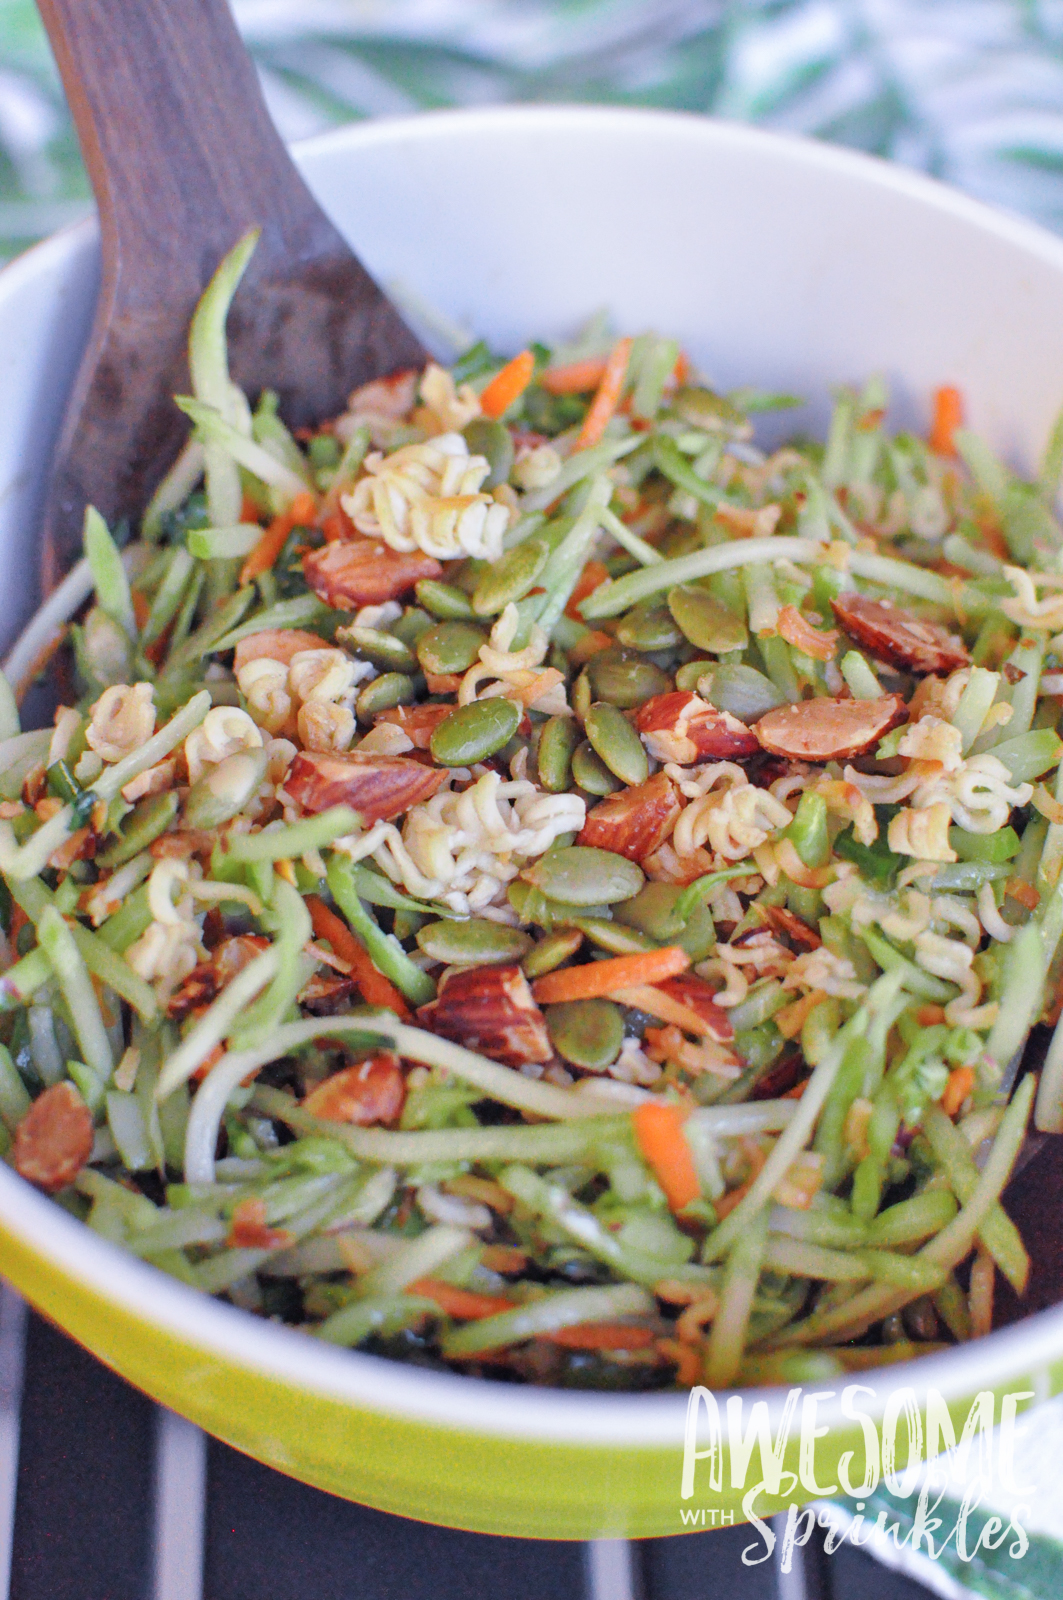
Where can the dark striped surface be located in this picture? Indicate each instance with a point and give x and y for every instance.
(100, 1481)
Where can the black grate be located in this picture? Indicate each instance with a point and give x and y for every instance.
(104, 1497)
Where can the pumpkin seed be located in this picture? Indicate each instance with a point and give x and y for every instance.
(551, 951)
(581, 696)
(586, 1033)
(558, 740)
(591, 772)
(584, 876)
(532, 906)
(225, 789)
(473, 942)
(706, 621)
(648, 626)
(691, 673)
(382, 649)
(625, 679)
(384, 693)
(703, 408)
(652, 912)
(615, 741)
(741, 690)
(472, 733)
(145, 822)
(465, 575)
(615, 937)
(509, 579)
(450, 647)
(486, 437)
(411, 625)
(444, 600)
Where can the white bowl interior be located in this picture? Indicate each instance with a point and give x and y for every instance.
(777, 262)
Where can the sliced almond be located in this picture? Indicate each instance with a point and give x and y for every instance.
(829, 730)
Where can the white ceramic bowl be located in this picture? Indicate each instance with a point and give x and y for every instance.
(777, 262)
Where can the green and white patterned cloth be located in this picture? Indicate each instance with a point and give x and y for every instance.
(970, 90)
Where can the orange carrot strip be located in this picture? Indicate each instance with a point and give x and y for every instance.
(601, 977)
(798, 631)
(303, 509)
(607, 396)
(659, 1131)
(507, 385)
(959, 1086)
(948, 416)
(594, 573)
(376, 989)
(657, 1003)
(681, 370)
(461, 1303)
(928, 1015)
(576, 378)
(601, 1336)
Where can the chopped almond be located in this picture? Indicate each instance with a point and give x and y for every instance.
(370, 1091)
(54, 1139)
(490, 1009)
(349, 573)
(829, 730)
(248, 1229)
(278, 644)
(680, 726)
(895, 636)
(378, 787)
(633, 822)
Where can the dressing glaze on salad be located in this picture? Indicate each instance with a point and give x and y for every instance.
(525, 880)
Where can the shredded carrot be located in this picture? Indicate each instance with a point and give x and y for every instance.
(507, 385)
(303, 509)
(959, 1086)
(792, 1018)
(601, 1336)
(602, 977)
(927, 1016)
(1025, 893)
(948, 416)
(249, 509)
(656, 1002)
(681, 370)
(797, 1091)
(659, 1131)
(578, 377)
(335, 526)
(461, 1303)
(19, 920)
(686, 1358)
(588, 646)
(375, 988)
(607, 395)
(592, 575)
(818, 643)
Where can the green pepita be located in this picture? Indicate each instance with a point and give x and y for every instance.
(625, 679)
(616, 743)
(486, 437)
(509, 579)
(225, 789)
(552, 951)
(581, 697)
(648, 626)
(148, 819)
(450, 647)
(691, 673)
(558, 740)
(615, 937)
(652, 912)
(382, 649)
(534, 907)
(586, 1033)
(473, 942)
(591, 772)
(444, 600)
(585, 876)
(384, 693)
(472, 733)
(741, 690)
(411, 625)
(706, 621)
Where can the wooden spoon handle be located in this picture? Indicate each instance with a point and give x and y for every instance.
(179, 146)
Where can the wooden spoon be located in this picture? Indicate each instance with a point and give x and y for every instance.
(184, 159)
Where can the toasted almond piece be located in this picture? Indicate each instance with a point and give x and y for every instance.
(899, 638)
(378, 787)
(363, 572)
(249, 1230)
(370, 1091)
(680, 726)
(633, 822)
(792, 926)
(206, 981)
(829, 730)
(278, 644)
(54, 1139)
(700, 997)
(418, 723)
(490, 1009)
